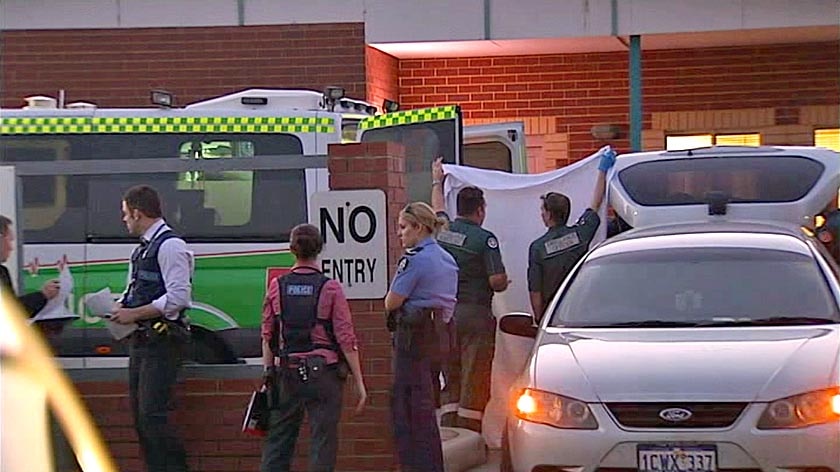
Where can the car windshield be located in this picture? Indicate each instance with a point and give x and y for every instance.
(670, 287)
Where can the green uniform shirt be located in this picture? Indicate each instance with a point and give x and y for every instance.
(552, 256)
(476, 251)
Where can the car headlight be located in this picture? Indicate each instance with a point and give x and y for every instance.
(554, 410)
(799, 411)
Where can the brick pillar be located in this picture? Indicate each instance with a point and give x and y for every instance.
(366, 442)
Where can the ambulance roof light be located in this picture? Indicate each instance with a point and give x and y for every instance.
(163, 99)
(39, 102)
(81, 106)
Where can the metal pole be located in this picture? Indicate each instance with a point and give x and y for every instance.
(635, 93)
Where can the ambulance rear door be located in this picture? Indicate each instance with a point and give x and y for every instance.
(496, 146)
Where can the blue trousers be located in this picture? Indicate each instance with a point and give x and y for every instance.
(416, 433)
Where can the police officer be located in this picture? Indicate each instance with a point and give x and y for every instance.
(552, 256)
(481, 273)
(158, 293)
(308, 342)
(32, 302)
(421, 297)
(829, 232)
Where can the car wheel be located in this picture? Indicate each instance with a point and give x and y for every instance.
(207, 347)
(507, 463)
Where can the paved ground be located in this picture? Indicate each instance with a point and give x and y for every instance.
(492, 464)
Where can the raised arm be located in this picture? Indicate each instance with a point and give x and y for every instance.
(438, 175)
(607, 161)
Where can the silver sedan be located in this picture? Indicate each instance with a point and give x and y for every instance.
(685, 348)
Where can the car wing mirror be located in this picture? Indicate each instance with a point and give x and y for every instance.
(519, 324)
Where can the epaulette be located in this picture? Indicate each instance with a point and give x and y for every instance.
(413, 251)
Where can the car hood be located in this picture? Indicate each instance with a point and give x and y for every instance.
(699, 364)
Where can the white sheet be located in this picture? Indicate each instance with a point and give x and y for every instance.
(513, 214)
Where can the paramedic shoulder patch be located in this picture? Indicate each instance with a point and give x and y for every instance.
(451, 237)
(300, 290)
(553, 246)
(492, 243)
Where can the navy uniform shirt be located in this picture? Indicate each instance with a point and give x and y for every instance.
(428, 277)
(832, 225)
(553, 255)
(476, 251)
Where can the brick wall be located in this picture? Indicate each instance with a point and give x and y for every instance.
(118, 67)
(382, 74)
(583, 90)
(209, 412)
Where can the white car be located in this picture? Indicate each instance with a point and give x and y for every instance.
(705, 339)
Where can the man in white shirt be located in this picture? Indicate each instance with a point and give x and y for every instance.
(158, 293)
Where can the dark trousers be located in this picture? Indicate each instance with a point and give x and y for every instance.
(416, 433)
(320, 399)
(468, 369)
(152, 371)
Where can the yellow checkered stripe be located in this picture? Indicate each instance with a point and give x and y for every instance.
(409, 117)
(152, 125)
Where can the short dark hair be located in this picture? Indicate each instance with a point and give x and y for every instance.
(306, 241)
(470, 199)
(5, 222)
(145, 199)
(558, 206)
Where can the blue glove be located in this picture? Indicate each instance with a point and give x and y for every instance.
(607, 160)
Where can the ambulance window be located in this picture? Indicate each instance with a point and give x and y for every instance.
(827, 138)
(44, 197)
(349, 128)
(423, 142)
(226, 194)
(493, 155)
(226, 206)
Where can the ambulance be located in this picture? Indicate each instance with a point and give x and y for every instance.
(235, 174)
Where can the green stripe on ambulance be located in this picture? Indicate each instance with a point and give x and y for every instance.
(408, 117)
(169, 124)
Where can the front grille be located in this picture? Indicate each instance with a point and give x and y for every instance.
(703, 415)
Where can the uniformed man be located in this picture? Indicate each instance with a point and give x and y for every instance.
(158, 293)
(553, 255)
(481, 273)
(421, 297)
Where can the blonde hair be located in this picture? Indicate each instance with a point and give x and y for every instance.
(421, 214)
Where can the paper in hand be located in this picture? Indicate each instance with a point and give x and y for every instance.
(56, 308)
(100, 303)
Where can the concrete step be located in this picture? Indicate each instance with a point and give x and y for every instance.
(462, 449)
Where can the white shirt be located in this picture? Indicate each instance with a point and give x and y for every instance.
(176, 267)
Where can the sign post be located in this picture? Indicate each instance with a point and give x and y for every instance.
(354, 228)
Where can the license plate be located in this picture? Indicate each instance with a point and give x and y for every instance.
(654, 458)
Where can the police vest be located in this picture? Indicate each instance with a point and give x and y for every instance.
(147, 282)
(299, 295)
